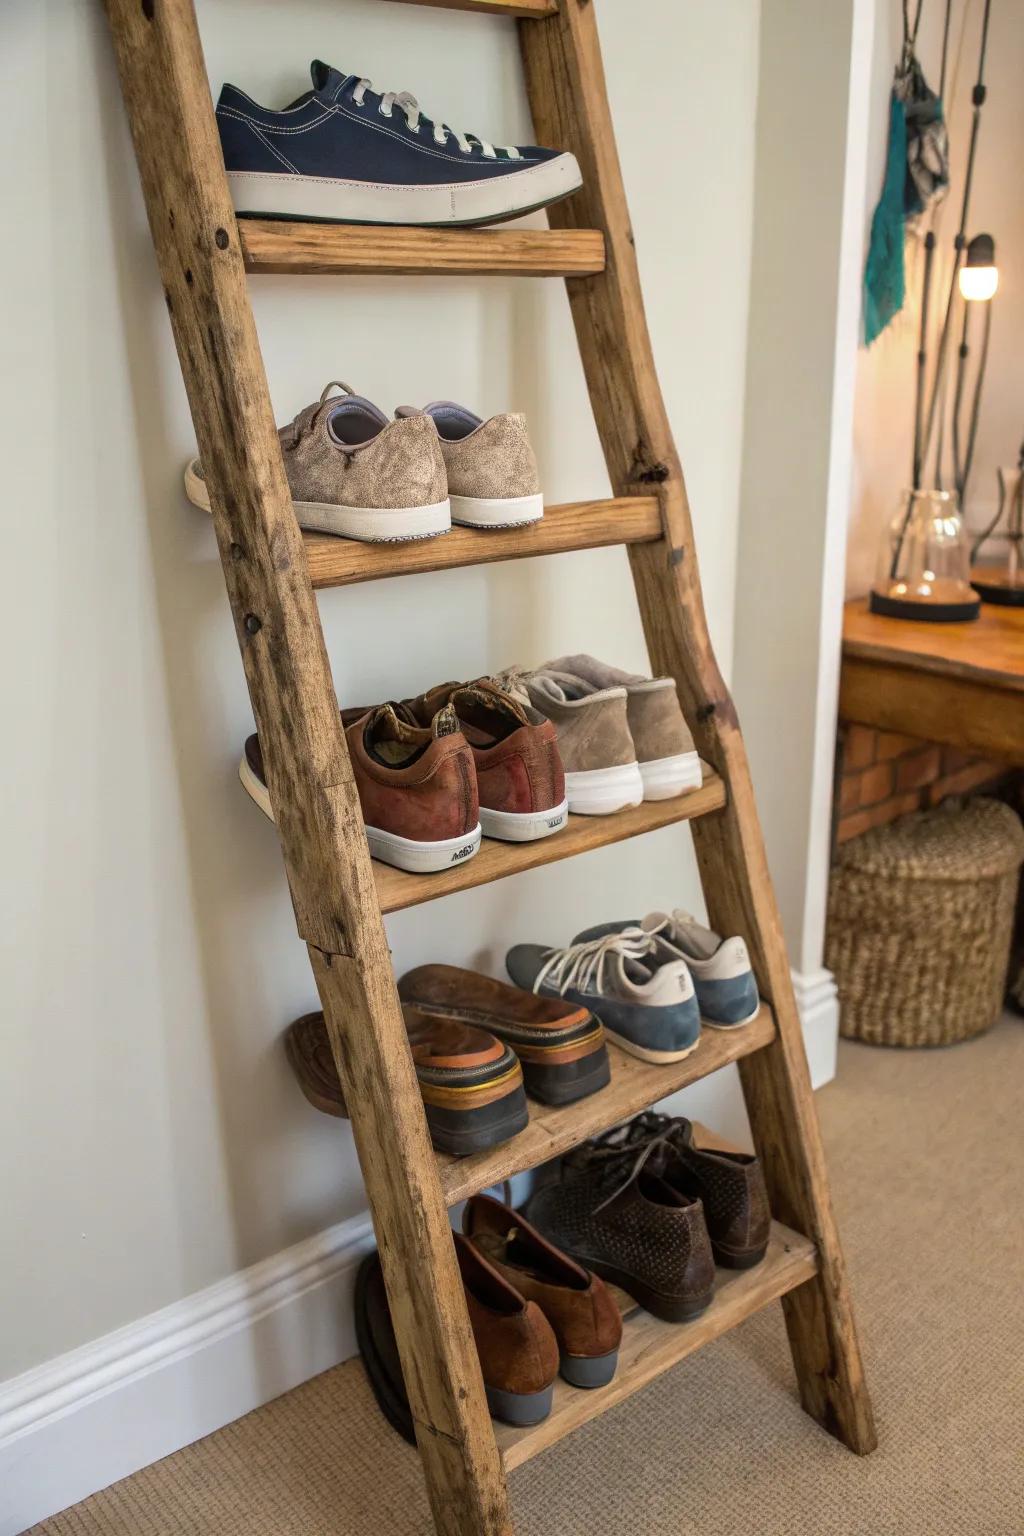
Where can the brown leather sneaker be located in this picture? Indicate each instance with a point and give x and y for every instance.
(519, 775)
(561, 1046)
(417, 788)
(577, 1304)
(517, 1349)
(729, 1184)
(630, 1226)
(472, 1085)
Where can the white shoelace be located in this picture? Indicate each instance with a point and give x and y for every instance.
(580, 966)
(408, 104)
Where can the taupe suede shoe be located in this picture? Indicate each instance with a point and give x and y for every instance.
(492, 472)
(354, 473)
(594, 741)
(669, 764)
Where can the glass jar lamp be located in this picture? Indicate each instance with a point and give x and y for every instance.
(924, 562)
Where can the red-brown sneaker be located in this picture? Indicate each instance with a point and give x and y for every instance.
(515, 750)
(416, 784)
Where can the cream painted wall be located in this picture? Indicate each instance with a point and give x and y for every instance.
(883, 432)
(151, 1137)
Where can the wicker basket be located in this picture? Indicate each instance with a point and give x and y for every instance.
(919, 920)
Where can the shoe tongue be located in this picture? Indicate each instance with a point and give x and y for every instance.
(445, 722)
(327, 81)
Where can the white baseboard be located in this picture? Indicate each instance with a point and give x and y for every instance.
(80, 1422)
(818, 1004)
(90, 1417)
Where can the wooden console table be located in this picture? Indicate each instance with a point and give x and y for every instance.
(959, 684)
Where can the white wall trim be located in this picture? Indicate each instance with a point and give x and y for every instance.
(817, 1001)
(98, 1413)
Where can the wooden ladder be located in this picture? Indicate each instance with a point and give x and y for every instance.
(339, 895)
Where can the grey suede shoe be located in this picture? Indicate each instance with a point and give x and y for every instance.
(354, 473)
(594, 740)
(492, 471)
(669, 764)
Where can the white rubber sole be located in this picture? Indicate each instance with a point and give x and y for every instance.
(287, 195)
(601, 791)
(370, 525)
(496, 512)
(666, 777)
(523, 826)
(739, 1024)
(402, 852)
(658, 1057)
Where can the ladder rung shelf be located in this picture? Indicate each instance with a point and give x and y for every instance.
(339, 894)
(303, 248)
(650, 1347)
(634, 1086)
(528, 8)
(576, 525)
(398, 889)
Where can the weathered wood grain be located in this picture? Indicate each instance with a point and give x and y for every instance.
(650, 1347)
(496, 861)
(565, 82)
(310, 777)
(276, 245)
(529, 8)
(635, 1086)
(576, 525)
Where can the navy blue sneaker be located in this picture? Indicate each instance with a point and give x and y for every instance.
(342, 153)
(648, 1008)
(721, 969)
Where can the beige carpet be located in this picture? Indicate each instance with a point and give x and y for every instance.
(927, 1158)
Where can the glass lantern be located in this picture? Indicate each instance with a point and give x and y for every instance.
(998, 573)
(924, 562)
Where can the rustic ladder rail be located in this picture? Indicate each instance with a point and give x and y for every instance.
(339, 896)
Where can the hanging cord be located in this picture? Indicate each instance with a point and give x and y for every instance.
(945, 51)
(972, 433)
(978, 99)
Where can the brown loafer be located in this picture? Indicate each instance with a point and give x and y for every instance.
(560, 1044)
(582, 1313)
(517, 1349)
(472, 1084)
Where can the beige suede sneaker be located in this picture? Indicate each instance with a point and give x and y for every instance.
(354, 473)
(594, 742)
(492, 471)
(669, 764)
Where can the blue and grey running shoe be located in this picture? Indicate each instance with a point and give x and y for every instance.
(647, 1007)
(721, 970)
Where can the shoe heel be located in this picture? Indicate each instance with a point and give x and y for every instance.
(589, 1371)
(519, 1408)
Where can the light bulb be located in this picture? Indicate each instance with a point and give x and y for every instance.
(978, 283)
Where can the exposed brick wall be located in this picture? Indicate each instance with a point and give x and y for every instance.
(883, 776)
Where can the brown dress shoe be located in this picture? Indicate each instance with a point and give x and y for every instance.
(417, 788)
(585, 1319)
(517, 1349)
(631, 1227)
(472, 1084)
(561, 1045)
(730, 1185)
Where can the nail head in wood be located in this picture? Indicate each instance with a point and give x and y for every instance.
(221, 237)
(252, 624)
